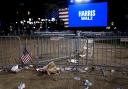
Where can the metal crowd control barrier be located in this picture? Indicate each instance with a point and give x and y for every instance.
(9, 50)
(60, 49)
(104, 52)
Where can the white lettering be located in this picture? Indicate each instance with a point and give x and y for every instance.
(81, 13)
(87, 18)
(93, 13)
(87, 14)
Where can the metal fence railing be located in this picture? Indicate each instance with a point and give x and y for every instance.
(111, 52)
(60, 49)
(9, 50)
(72, 50)
(101, 61)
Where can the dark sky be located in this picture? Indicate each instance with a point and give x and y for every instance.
(39, 8)
(9, 8)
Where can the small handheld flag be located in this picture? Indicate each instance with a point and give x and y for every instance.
(25, 58)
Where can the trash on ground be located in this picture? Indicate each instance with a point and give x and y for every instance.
(87, 84)
(26, 67)
(81, 70)
(77, 78)
(15, 69)
(86, 68)
(21, 86)
(119, 88)
(1, 70)
(112, 70)
(31, 66)
(62, 69)
(73, 61)
(84, 55)
(50, 68)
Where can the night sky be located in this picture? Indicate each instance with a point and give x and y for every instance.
(10, 9)
(38, 8)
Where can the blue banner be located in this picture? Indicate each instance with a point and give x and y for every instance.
(88, 15)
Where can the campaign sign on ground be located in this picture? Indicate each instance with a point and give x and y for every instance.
(88, 15)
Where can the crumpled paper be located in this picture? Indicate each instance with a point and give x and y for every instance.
(50, 68)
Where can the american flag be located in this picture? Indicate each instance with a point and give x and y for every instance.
(26, 57)
(63, 15)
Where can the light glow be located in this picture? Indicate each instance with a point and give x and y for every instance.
(78, 1)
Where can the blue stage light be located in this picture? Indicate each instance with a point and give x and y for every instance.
(71, 1)
(78, 1)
